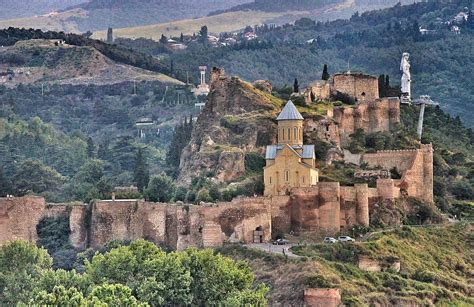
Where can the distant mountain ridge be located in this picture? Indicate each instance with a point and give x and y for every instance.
(309, 5)
(281, 5)
(100, 14)
(28, 8)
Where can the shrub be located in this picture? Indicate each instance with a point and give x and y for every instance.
(254, 162)
(160, 188)
(343, 97)
(318, 281)
(463, 190)
(203, 195)
(180, 194)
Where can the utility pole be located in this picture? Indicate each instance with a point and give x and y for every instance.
(423, 101)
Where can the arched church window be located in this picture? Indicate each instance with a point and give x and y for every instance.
(287, 176)
(295, 131)
(283, 134)
(289, 134)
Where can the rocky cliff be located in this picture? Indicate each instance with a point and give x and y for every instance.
(236, 119)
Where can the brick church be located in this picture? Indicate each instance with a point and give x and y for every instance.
(290, 163)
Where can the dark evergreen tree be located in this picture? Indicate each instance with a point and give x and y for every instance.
(181, 38)
(387, 82)
(204, 34)
(141, 175)
(470, 19)
(90, 148)
(382, 88)
(181, 137)
(163, 39)
(313, 98)
(4, 184)
(325, 75)
(296, 86)
(103, 152)
(416, 30)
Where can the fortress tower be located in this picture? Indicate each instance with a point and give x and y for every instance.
(289, 164)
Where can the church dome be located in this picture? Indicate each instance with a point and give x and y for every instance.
(290, 112)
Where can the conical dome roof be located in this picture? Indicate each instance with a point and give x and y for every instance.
(290, 112)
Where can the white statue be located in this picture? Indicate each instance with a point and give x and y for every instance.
(406, 78)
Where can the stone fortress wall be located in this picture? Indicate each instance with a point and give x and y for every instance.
(326, 207)
(358, 85)
(19, 217)
(361, 86)
(178, 226)
(371, 113)
(371, 116)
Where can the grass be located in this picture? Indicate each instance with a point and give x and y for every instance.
(436, 268)
(227, 22)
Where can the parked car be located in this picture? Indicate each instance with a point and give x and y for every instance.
(329, 240)
(280, 242)
(345, 239)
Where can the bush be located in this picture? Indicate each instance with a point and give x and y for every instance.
(343, 97)
(180, 194)
(318, 281)
(203, 196)
(463, 190)
(190, 196)
(254, 162)
(160, 188)
(424, 276)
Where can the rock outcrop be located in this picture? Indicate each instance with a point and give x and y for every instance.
(236, 119)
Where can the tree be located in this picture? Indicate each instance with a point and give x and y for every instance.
(163, 39)
(470, 20)
(36, 177)
(203, 196)
(215, 277)
(90, 148)
(325, 76)
(21, 264)
(181, 38)
(5, 185)
(60, 296)
(160, 188)
(296, 86)
(155, 276)
(141, 175)
(180, 194)
(103, 152)
(204, 34)
(113, 295)
(85, 185)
